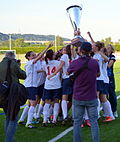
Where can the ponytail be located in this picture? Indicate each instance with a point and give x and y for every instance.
(49, 55)
(46, 60)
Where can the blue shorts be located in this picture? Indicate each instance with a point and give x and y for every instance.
(32, 93)
(52, 94)
(43, 97)
(106, 88)
(40, 90)
(101, 86)
(67, 87)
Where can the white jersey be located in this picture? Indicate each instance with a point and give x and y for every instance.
(105, 75)
(32, 75)
(100, 60)
(77, 56)
(50, 68)
(65, 58)
(41, 75)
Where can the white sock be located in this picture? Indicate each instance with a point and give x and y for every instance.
(56, 110)
(50, 111)
(64, 108)
(36, 108)
(35, 111)
(98, 108)
(86, 115)
(24, 113)
(107, 109)
(30, 114)
(40, 109)
(46, 112)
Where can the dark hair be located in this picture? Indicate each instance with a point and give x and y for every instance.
(99, 45)
(105, 51)
(58, 54)
(28, 54)
(86, 48)
(68, 51)
(92, 54)
(113, 49)
(49, 55)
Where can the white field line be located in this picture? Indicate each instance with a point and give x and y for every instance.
(67, 131)
(61, 135)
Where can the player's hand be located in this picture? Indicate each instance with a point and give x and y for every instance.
(88, 33)
(50, 76)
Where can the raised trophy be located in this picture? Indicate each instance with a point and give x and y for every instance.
(74, 13)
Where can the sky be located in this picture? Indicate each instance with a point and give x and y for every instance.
(100, 17)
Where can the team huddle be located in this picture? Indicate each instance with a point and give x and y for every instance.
(50, 89)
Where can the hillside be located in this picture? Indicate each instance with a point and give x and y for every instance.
(32, 37)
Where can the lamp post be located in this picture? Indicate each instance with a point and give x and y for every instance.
(9, 42)
(55, 44)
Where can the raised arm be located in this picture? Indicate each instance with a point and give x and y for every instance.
(91, 38)
(73, 52)
(106, 59)
(44, 51)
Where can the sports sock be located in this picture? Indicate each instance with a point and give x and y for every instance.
(64, 108)
(24, 113)
(50, 111)
(40, 109)
(35, 111)
(56, 110)
(30, 114)
(98, 108)
(107, 109)
(86, 115)
(46, 112)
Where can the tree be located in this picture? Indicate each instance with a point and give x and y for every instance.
(107, 40)
(19, 42)
(59, 41)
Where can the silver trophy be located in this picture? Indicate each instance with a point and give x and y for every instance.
(74, 13)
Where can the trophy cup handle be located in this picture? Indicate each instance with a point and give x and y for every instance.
(74, 6)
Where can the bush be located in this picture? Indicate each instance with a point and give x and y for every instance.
(117, 47)
(23, 50)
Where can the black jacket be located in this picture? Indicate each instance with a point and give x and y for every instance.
(16, 98)
(15, 94)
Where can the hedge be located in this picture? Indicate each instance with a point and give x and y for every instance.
(117, 47)
(23, 50)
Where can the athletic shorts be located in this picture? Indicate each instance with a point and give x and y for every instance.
(67, 87)
(101, 86)
(52, 94)
(106, 88)
(40, 90)
(32, 92)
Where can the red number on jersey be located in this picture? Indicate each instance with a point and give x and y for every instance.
(52, 71)
(48, 70)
